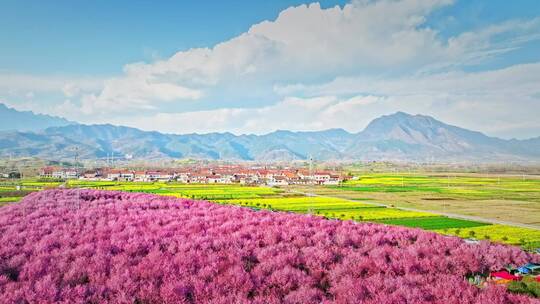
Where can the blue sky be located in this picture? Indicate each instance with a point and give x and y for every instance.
(99, 37)
(257, 66)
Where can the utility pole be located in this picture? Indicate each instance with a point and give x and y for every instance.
(311, 180)
(77, 173)
(76, 157)
(311, 167)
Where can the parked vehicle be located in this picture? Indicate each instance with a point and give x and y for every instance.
(530, 269)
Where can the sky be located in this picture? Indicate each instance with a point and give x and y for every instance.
(259, 66)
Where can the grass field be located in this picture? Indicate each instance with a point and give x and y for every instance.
(10, 194)
(433, 223)
(9, 199)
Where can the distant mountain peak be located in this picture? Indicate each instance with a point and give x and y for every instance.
(400, 115)
(12, 119)
(405, 120)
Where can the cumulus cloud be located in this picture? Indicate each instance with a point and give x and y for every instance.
(304, 114)
(480, 101)
(40, 93)
(514, 81)
(134, 93)
(70, 90)
(47, 83)
(315, 68)
(305, 43)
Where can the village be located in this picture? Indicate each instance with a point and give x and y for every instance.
(219, 174)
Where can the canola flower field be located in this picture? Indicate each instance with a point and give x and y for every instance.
(450, 185)
(498, 233)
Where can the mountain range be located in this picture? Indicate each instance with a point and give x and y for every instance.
(13, 120)
(399, 136)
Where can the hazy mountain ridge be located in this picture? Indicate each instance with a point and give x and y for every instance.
(399, 136)
(13, 120)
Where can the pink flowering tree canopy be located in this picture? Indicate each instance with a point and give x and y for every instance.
(84, 246)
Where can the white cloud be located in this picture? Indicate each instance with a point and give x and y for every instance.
(479, 101)
(306, 44)
(71, 90)
(321, 68)
(291, 113)
(134, 93)
(22, 83)
(510, 82)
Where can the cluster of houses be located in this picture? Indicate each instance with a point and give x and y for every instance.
(59, 173)
(203, 175)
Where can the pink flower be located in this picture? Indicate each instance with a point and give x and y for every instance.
(104, 246)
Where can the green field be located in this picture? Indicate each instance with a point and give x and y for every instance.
(433, 223)
(10, 194)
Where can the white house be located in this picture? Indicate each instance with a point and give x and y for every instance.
(114, 174)
(277, 181)
(127, 175)
(182, 177)
(158, 176)
(64, 173)
(139, 176)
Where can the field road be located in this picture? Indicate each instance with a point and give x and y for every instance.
(452, 215)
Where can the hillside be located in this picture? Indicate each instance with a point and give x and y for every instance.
(399, 136)
(11, 119)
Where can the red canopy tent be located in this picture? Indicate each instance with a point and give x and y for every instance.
(505, 275)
